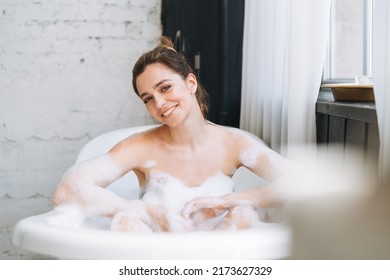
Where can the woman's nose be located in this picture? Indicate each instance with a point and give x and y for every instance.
(159, 101)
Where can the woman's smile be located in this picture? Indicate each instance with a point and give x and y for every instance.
(168, 113)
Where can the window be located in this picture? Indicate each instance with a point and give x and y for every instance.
(350, 43)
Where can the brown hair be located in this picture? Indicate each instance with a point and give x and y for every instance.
(165, 54)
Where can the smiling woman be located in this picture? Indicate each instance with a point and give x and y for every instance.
(184, 166)
(166, 55)
(162, 92)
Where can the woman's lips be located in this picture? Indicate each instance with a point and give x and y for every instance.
(168, 112)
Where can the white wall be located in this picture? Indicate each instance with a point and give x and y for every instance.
(65, 77)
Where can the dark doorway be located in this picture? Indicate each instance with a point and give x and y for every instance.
(210, 34)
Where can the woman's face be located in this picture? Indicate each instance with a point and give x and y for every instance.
(167, 96)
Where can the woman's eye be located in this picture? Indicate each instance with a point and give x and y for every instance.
(147, 99)
(165, 88)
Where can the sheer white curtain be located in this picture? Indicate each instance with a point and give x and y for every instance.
(381, 77)
(283, 57)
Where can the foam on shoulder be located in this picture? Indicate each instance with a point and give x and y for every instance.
(252, 147)
(149, 164)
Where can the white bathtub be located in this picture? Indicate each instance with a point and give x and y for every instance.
(94, 240)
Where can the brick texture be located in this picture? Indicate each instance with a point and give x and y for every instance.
(65, 77)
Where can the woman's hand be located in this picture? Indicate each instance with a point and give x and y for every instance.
(139, 216)
(203, 208)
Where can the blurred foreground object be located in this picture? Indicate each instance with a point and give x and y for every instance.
(352, 222)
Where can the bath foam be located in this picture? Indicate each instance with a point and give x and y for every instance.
(149, 164)
(251, 154)
(249, 158)
(259, 156)
(84, 186)
(287, 177)
(255, 147)
(256, 151)
(67, 216)
(168, 191)
(101, 167)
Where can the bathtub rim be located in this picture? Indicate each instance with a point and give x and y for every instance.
(36, 235)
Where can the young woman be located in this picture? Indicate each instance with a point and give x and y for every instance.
(184, 166)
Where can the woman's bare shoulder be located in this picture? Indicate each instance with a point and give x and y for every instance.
(142, 137)
(136, 145)
(242, 137)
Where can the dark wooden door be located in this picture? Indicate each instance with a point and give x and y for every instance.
(210, 34)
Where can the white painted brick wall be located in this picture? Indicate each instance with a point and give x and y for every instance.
(65, 77)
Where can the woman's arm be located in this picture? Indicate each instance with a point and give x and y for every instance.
(84, 183)
(253, 154)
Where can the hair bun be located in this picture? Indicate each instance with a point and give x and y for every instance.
(166, 42)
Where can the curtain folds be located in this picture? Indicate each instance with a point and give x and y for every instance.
(283, 56)
(381, 78)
